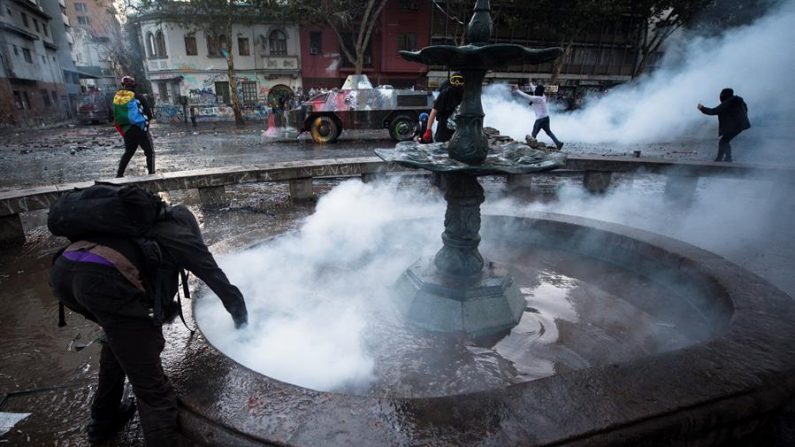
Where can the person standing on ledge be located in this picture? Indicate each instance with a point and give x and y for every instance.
(539, 103)
(131, 116)
(450, 95)
(732, 119)
(451, 92)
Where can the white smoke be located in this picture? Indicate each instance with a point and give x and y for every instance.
(757, 61)
(307, 293)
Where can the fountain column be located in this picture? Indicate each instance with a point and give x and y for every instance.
(456, 290)
(459, 258)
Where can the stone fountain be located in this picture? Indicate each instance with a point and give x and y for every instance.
(456, 290)
(718, 386)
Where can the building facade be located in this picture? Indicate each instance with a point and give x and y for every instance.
(95, 31)
(188, 66)
(403, 25)
(60, 26)
(31, 79)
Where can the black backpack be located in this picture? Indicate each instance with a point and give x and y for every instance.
(104, 208)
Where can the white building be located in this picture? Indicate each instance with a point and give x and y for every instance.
(182, 62)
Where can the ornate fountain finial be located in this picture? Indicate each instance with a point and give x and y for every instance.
(480, 25)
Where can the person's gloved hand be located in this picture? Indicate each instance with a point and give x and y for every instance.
(240, 319)
(427, 136)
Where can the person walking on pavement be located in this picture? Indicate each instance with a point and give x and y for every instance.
(539, 103)
(131, 116)
(107, 279)
(732, 119)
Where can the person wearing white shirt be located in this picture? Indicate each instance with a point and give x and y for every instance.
(539, 103)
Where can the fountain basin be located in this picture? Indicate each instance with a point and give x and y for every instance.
(701, 394)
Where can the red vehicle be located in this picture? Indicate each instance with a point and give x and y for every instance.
(94, 107)
(360, 106)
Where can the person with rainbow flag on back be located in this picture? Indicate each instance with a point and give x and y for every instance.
(131, 116)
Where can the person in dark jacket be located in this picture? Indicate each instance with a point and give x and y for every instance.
(451, 92)
(134, 135)
(450, 95)
(108, 280)
(732, 119)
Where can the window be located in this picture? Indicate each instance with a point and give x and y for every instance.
(28, 57)
(216, 45)
(44, 60)
(409, 4)
(44, 28)
(212, 46)
(82, 20)
(407, 41)
(190, 45)
(45, 98)
(25, 19)
(222, 92)
(18, 100)
(150, 44)
(10, 14)
(249, 92)
(315, 42)
(242, 46)
(156, 45)
(16, 51)
(162, 90)
(54, 98)
(278, 43)
(161, 44)
(80, 7)
(36, 25)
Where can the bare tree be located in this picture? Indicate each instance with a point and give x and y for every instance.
(352, 21)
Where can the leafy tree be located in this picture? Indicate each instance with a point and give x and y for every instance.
(352, 21)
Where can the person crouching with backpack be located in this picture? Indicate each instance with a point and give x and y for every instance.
(131, 116)
(112, 280)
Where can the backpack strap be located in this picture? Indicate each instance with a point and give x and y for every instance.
(122, 264)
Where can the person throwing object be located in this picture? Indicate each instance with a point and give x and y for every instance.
(732, 119)
(539, 103)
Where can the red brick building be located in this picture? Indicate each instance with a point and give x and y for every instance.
(403, 25)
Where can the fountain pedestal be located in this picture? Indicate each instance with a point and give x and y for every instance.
(485, 304)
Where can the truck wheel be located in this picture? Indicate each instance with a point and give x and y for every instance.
(325, 129)
(402, 127)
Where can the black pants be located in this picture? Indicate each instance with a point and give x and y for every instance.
(132, 347)
(543, 123)
(133, 138)
(724, 148)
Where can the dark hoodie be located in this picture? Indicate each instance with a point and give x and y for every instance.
(732, 113)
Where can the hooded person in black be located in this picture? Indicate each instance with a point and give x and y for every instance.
(107, 279)
(732, 119)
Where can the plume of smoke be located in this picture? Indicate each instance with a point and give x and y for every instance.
(307, 293)
(755, 60)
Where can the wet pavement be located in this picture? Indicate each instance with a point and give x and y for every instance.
(40, 371)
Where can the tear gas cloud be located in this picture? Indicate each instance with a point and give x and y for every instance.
(312, 294)
(757, 61)
(307, 292)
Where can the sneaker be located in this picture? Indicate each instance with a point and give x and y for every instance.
(104, 430)
(559, 145)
